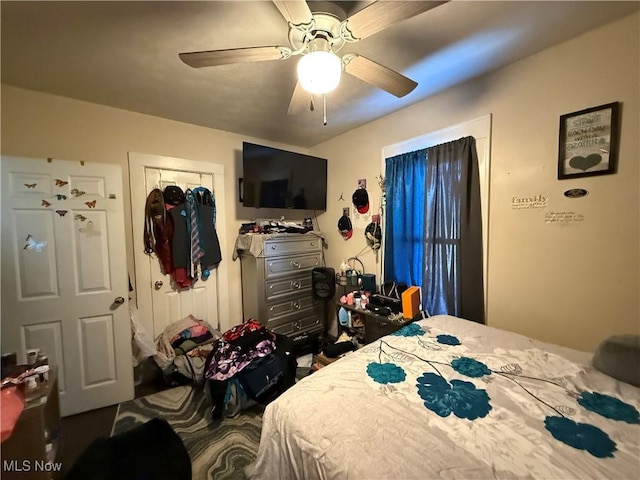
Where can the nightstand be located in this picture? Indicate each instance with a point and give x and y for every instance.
(32, 452)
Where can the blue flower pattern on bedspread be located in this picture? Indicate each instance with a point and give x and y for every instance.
(470, 367)
(460, 397)
(609, 407)
(465, 400)
(448, 340)
(386, 373)
(411, 330)
(581, 436)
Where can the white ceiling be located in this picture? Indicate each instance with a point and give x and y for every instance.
(125, 55)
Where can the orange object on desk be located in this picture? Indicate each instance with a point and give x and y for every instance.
(11, 406)
(410, 302)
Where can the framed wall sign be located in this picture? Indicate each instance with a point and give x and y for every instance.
(588, 142)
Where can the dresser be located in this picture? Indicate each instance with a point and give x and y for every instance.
(276, 281)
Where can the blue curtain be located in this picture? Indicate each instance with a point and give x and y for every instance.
(404, 228)
(434, 227)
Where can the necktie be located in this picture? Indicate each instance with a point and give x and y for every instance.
(194, 233)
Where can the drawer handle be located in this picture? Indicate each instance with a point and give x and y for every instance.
(297, 325)
(271, 309)
(295, 284)
(274, 247)
(295, 305)
(295, 264)
(270, 287)
(313, 244)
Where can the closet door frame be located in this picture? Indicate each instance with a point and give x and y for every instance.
(144, 283)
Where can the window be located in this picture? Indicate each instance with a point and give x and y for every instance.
(423, 246)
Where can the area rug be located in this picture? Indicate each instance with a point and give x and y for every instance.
(218, 449)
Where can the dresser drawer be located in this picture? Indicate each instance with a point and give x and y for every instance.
(292, 308)
(305, 324)
(284, 246)
(275, 267)
(278, 288)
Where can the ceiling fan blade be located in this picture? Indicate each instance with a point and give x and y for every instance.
(382, 14)
(213, 58)
(296, 12)
(300, 101)
(377, 75)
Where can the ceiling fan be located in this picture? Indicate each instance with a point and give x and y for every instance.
(318, 37)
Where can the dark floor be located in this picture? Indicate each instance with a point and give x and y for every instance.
(78, 431)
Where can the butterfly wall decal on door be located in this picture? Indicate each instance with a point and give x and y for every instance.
(90, 230)
(33, 244)
(30, 185)
(91, 204)
(60, 183)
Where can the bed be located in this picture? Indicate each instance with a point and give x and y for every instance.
(447, 398)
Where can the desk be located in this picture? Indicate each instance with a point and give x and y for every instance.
(375, 326)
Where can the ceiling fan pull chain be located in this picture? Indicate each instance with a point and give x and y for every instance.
(324, 109)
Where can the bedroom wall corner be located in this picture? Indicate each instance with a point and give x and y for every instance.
(573, 283)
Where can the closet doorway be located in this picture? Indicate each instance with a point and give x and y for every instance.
(158, 300)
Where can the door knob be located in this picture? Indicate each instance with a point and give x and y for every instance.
(118, 300)
(158, 284)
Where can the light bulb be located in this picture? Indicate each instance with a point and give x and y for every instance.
(319, 72)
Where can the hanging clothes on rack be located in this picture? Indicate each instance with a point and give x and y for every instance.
(196, 247)
(158, 230)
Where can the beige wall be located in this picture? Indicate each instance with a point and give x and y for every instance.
(39, 125)
(571, 284)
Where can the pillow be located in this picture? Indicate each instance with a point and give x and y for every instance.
(619, 357)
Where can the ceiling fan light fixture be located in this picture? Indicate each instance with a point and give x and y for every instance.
(319, 72)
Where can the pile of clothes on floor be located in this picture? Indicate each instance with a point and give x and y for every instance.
(246, 365)
(183, 348)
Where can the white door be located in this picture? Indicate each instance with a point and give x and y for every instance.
(160, 301)
(64, 276)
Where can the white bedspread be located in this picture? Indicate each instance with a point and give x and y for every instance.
(475, 409)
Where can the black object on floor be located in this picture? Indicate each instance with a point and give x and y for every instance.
(151, 451)
(305, 343)
(337, 349)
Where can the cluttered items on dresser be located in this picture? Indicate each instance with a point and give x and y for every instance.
(180, 229)
(265, 226)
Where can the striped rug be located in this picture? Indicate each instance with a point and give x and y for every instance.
(218, 449)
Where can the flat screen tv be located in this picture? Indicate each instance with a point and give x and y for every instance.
(274, 178)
